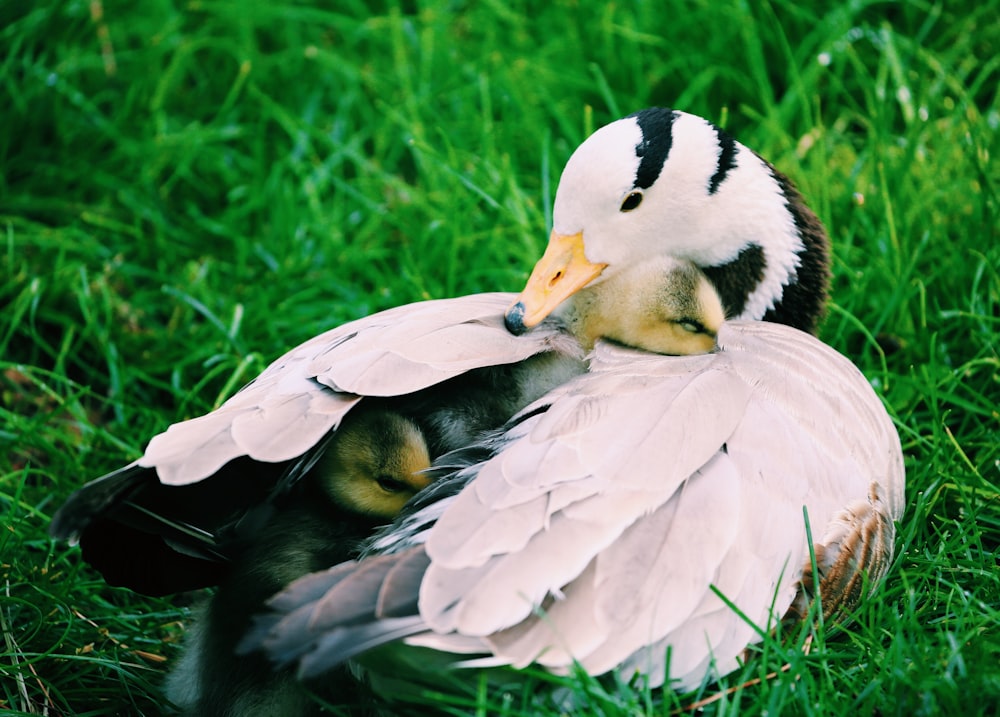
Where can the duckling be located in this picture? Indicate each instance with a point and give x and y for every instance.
(375, 462)
(680, 316)
(658, 182)
(617, 520)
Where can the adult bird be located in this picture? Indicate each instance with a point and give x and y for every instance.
(657, 182)
(624, 516)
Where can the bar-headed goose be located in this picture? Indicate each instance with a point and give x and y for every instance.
(671, 183)
(613, 520)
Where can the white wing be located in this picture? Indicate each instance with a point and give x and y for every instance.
(136, 516)
(296, 400)
(647, 483)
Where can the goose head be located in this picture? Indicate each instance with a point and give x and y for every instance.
(664, 182)
(663, 305)
(375, 463)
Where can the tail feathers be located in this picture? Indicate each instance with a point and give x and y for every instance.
(326, 618)
(95, 498)
(338, 646)
(159, 539)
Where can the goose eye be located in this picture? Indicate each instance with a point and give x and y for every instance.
(391, 485)
(633, 200)
(693, 326)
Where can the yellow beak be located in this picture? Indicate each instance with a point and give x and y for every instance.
(562, 271)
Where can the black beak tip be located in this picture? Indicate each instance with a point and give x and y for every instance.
(514, 319)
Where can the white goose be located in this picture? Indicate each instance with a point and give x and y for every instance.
(659, 182)
(613, 515)
(173, 519)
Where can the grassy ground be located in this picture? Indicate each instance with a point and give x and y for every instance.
(189, 188)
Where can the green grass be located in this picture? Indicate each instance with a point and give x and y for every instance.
(189, 188)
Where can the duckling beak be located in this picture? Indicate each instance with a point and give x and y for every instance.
(562, 271)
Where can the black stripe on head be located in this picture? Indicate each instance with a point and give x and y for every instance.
(727, 159)
(736, 280)
(656, 125)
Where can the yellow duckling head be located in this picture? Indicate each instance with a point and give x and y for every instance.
(665, 182)
(375, 463)
(663, 305)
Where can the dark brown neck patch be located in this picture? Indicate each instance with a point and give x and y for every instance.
(803, 302)
(736, 280)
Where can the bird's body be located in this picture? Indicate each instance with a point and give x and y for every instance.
(602, 528)
(579, 507)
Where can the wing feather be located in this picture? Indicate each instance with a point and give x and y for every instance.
(283, 417)
(612, 517)
(304, 394)
(734, 447)
(566, 489)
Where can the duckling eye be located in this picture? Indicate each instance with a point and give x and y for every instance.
(633, 200)
(391, 485)
(693, 326)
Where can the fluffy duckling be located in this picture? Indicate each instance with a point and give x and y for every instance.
(680, 316)
(375, 462)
